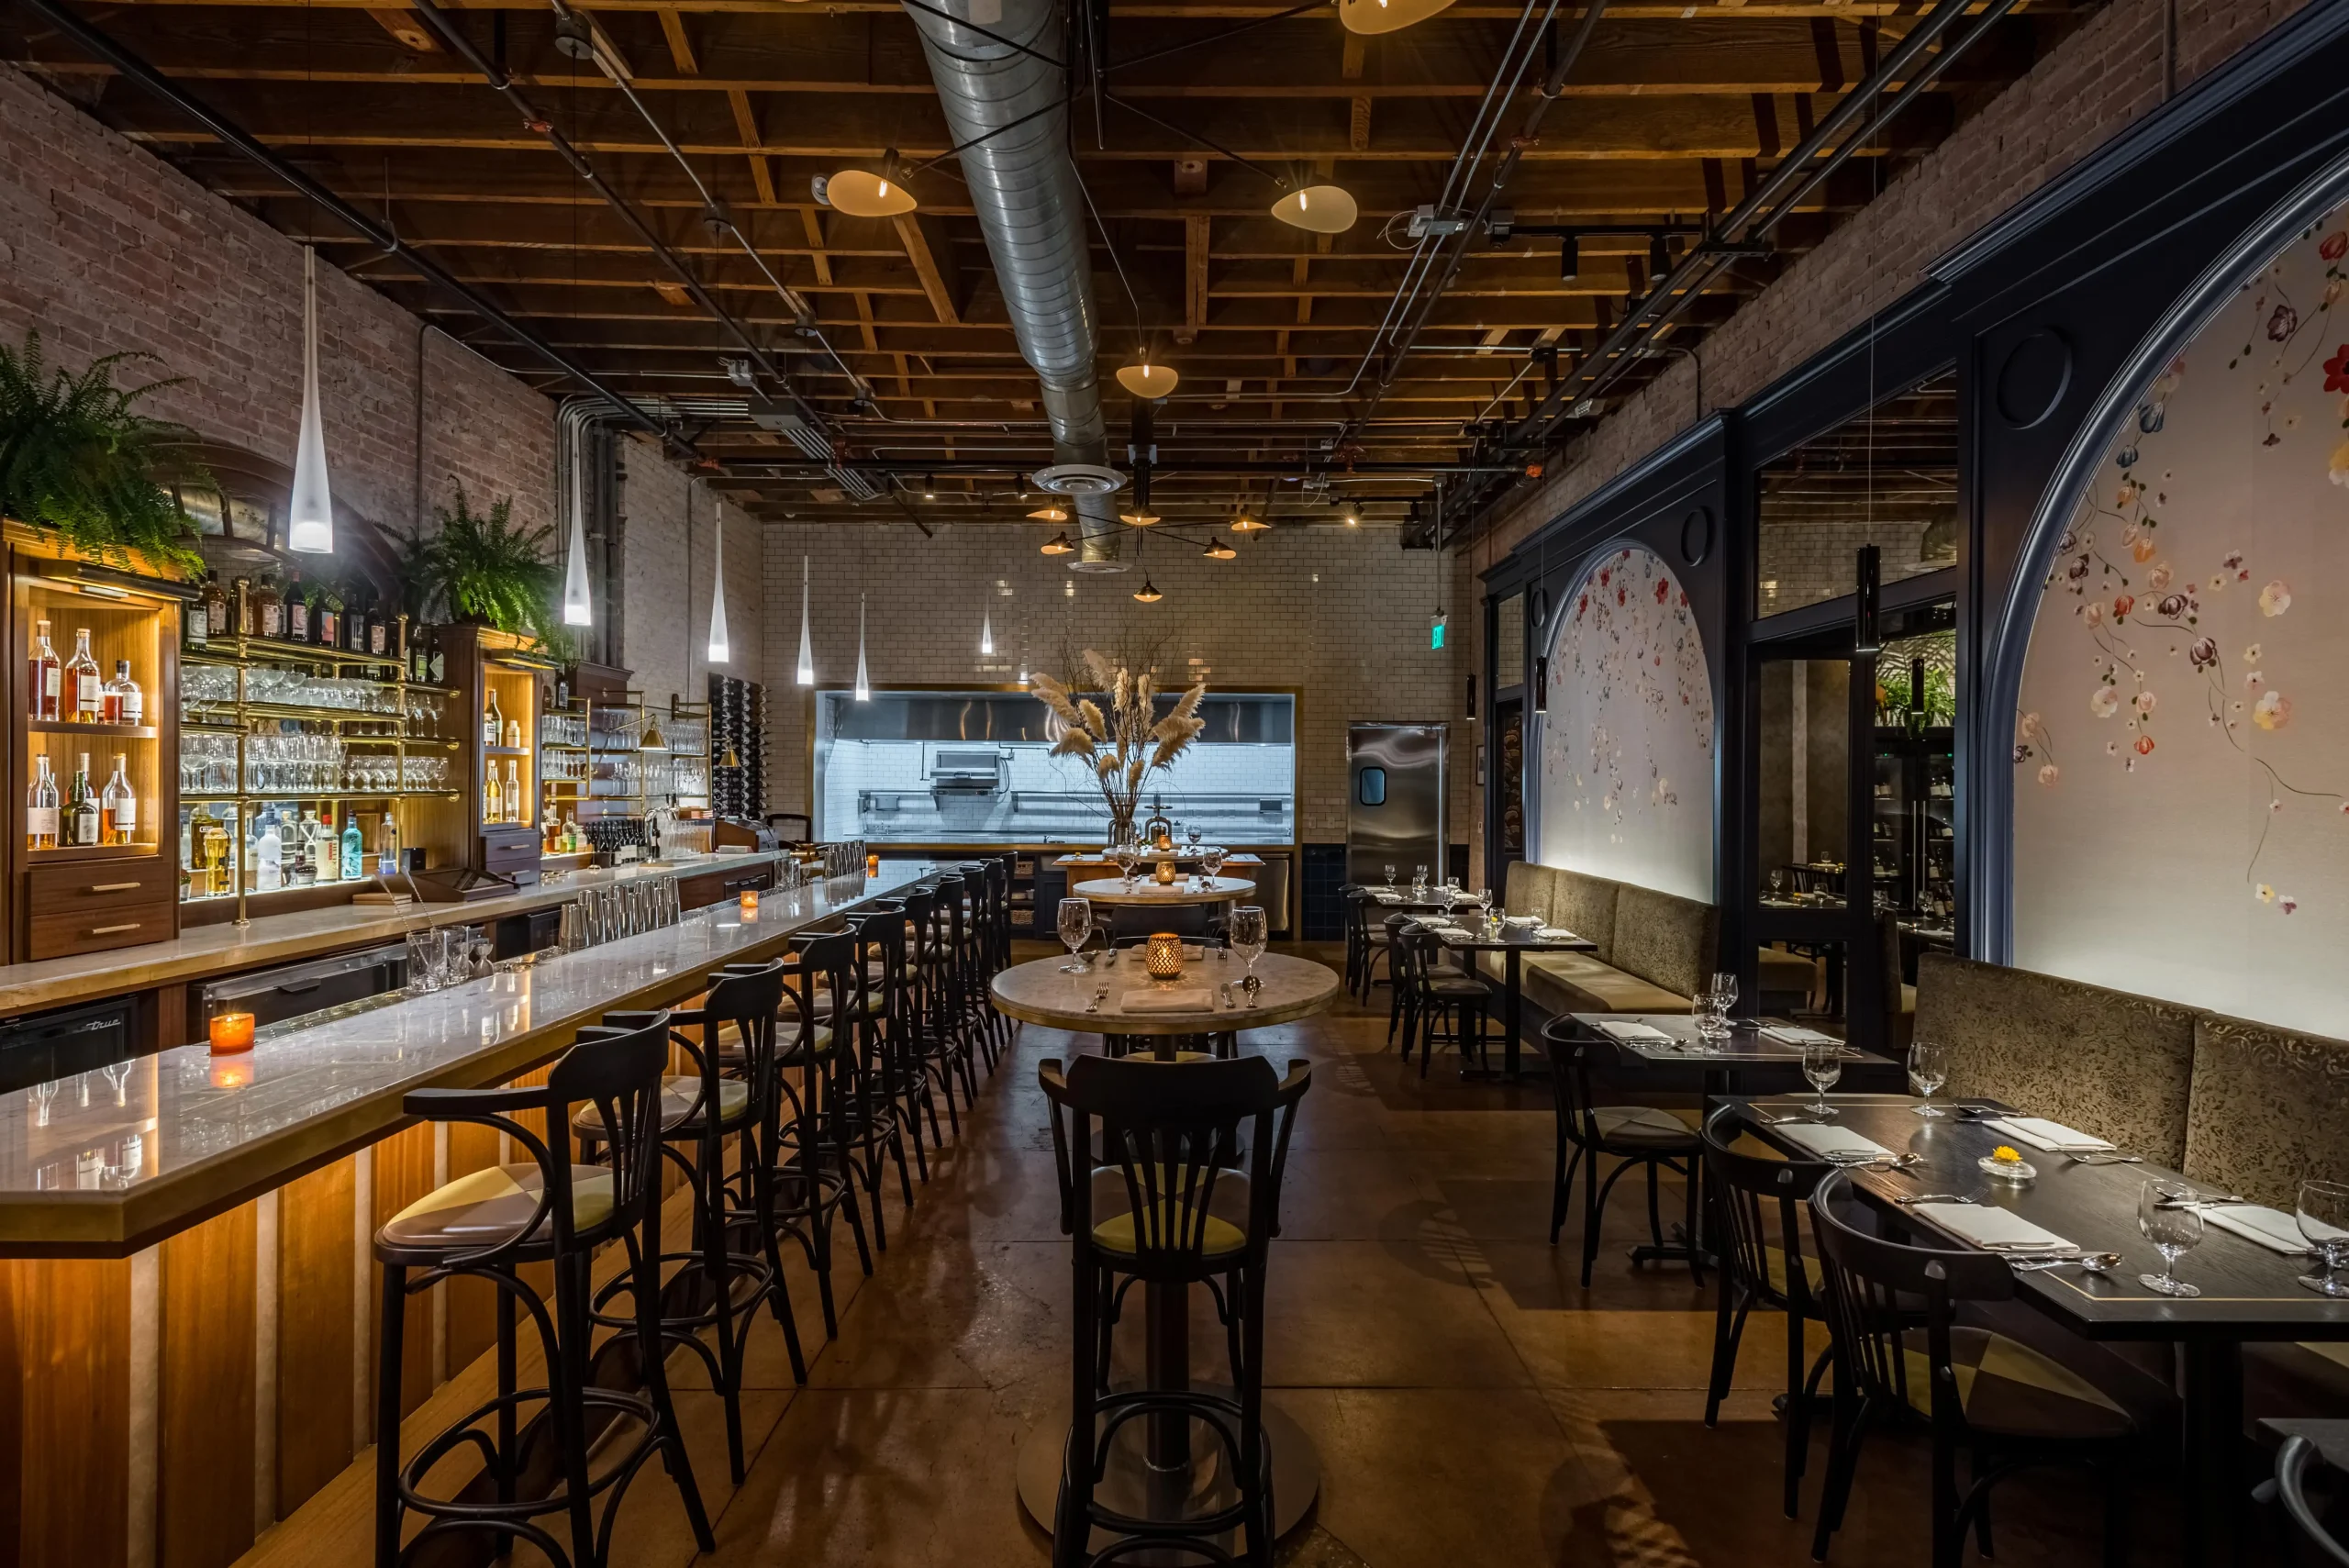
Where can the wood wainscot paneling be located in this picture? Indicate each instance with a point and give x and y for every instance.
(316, 1330)
(204, 1491)
(404, 1163)
(69, 1410)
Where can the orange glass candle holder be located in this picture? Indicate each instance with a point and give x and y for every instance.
(1163, 956)
(872, 865)
(1166, 874)
(750, 904)
(230, 1033)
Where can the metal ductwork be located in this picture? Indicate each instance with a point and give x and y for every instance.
(1008, 111)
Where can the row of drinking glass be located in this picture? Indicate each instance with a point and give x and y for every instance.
(845, 858)
(208, 765)
(618, 909)
(203, 685)
(1244, 932)
(448, 955)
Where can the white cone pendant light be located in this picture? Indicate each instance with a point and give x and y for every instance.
(986, 633)
(805, 675)
(309, 512)
(864, 681)
(718, 649)
(1319, 209)
(576, 610)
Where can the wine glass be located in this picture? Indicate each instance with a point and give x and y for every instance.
(1778, 881)
(1928, 1071)
(1823, 1063)
(1389, 869)
(1192, 834)
(1725, 988)
(1127, 856)
(1077, 927)
(2323, 1214)
(1247, 933)
(1211, 860)
(2166, 1217)
(1419, 882)
(1712, 1018)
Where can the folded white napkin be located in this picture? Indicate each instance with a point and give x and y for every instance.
(1833, 1142)
(1521, 920)
(1616, 1028)
(1795, 1034)
(1176, 999)
(1387, 898)
(1554, 934)
(2271, 1227)
(2041, 1133)
(1988, 1226)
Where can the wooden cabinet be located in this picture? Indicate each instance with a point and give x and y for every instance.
(494, 672)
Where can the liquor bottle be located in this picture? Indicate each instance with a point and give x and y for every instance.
(301, 842)
(118, 699)
(437, 668)
(418, 662)
(513, 741)
(493, 723)
(40, 808)
(492, 808)
(268, 607)
(81, 677)
(512, 794)
(80, 806)
(387, 845)
(350, 627)
(48, 676)
(351, 847)
(268, 853)
(196, 624)
(216, 607)
(379, 632)
(215, 858)
(298, 604)
(118, 808)
(330, 615)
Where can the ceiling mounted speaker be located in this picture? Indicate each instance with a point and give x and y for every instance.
(1386, 16)
(1319, 209)
(1078, 479)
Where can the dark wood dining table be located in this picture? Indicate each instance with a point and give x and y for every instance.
(1512, 942)
(2249, 1293)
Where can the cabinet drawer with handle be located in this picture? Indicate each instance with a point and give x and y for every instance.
(59, 932)
(57, 888)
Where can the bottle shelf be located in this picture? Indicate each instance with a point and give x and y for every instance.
(188, 798)
(246, 649)
(68, 727)
(71, 853)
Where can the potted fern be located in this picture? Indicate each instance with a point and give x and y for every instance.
(484, 569)
(78, 462)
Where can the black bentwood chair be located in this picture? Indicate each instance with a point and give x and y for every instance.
(1636, 1136)
(1445, 1006)
(733, 1264)
(2289, 1486)
(490, 1225)
(1758, 1232)
(2007, 1404)
(802, 1138)
(1167, 1206)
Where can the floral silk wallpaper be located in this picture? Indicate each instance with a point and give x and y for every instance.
(2182, 748)
(1627, 747)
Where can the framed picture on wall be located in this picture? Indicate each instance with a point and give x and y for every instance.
(1480, 767)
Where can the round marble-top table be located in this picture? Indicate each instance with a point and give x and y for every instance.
(1155, 1469)
(1183, 890)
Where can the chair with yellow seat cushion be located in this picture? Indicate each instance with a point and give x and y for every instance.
(1636, 1136)
(510, 1226)
(1756, 1195)
(1186, 1193)
(710, 1125)
(1901, 1354)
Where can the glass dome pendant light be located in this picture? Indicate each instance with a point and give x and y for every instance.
(864, 681)
(309, 511)
(805, 675)
(719, 651)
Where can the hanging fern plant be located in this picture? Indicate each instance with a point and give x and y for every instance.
(485, 571)
(78, 460)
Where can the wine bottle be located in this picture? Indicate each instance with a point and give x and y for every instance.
(40, 810)
(47, 674)
(297, 609)
(80, 806)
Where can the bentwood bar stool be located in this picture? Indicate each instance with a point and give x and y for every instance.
(733, 1266)
(1169, 1205)
(583, 1440)
(803, 1139)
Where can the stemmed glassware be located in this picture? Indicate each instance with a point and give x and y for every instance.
(1928, 1071)
(1822, 1064)
(1211, 860)
(2323, 1215)
(1128, 855)
(1389, 869)
(1076, 929)
(1712, 1014)
(1247, 933)
(2168, 1217)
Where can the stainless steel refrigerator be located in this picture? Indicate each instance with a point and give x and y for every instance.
(1394, 803)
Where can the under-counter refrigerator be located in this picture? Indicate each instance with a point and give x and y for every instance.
(1394, 807)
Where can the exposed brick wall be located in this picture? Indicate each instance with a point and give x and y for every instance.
(1357, 641)
(104, 247)
(2099, 81)
(667, 569)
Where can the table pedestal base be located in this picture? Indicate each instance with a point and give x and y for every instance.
(1130, 1485)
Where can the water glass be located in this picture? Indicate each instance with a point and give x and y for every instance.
(1725, 988)
(574, 926)
(425, 970)
(1822, 1064)
(2166, 1217)
(1711, 1018)
(1247, 934)
(1076, 929)
(1127, 856)
(2323, 1215)
(1390, 877)
(1928, 1071)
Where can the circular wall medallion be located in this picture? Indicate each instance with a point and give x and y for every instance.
(1697, 535)
(2034, 377)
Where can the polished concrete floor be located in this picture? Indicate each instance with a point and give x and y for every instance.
(1472, 1403)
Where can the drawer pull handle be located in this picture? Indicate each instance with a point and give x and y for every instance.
(112, 931)
(115, 887)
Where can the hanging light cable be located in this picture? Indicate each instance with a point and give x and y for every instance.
(805, 675)
(309, 513)
(720, 652)
(864, 681)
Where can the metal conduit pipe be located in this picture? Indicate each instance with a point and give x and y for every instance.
(1007, 110)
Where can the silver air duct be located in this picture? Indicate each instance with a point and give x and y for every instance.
(1023, 188)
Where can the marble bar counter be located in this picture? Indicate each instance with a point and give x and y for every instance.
(203, 952)
(107, 1162)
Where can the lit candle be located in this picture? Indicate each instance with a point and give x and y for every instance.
(1164, 957)
(750, 906)
(1166, 874)
(872, 865)
(231, 1032)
